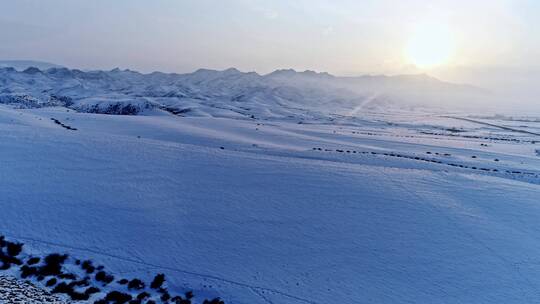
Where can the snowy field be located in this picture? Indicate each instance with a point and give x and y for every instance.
(396, 207)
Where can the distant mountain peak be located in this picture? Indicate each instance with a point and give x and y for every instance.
(283, 72)
(32, 70)
(316, 74)
(21, 65)
(294, 73)
(232, 71)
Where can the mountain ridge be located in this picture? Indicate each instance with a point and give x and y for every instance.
(24, 64)
(280, 94)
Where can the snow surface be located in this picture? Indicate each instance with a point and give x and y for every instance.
(273, 211)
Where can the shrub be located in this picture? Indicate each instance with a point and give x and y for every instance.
(117, 297)
(165, 296)
(53, 264)
(14, 249)
(180, 300)
(214, 301)
(91, 290)
(102, 276)
(158, 281)
(33, 260)
(63, 288)
(27, 271)
(143, 295)
(51, 282)
(135, 284)
(88, 267)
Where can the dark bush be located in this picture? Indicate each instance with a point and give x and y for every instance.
(77, 296)
(7, 261)
(53, 264)
(102, 276)
(165, 296)
(5, 264)
(33, 261)
(136, 284)
(62, 287)
(143, 295)
(214, 301)
(180, 300)
(51, 282)
(27, 271)
(88, 267)
(159, 279)
(92, 290)
(117, 297)
(14, 249)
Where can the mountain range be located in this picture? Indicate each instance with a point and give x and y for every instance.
(227, 93)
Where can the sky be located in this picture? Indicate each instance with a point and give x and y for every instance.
(343, 37)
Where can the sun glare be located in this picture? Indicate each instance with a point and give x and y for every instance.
(431, 45)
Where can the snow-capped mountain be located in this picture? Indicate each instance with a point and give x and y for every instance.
(228, 93)
(21, 65)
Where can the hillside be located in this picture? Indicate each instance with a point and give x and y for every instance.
(385, 208)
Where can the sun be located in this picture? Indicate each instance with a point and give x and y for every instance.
(431, 45)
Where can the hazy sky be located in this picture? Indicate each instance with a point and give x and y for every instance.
(343, 37)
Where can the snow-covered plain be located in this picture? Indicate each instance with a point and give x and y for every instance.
(394, 207)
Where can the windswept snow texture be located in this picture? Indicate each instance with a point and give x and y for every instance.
(381, 208)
